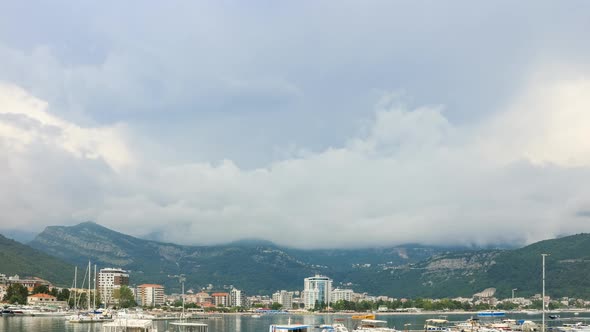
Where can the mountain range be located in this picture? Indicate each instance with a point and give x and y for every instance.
(17, 258)
(261, 267)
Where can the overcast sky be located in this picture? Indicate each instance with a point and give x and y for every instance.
(307, 123)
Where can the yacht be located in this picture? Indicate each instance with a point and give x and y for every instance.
(439, 325)
(129, 325)
(373, 325)
(337, 327)
(189, 326)
(289, 327)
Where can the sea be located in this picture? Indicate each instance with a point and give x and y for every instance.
(246, 323)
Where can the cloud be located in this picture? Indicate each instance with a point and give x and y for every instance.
(208, 126)
(409, 175)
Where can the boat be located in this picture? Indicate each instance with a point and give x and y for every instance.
(255, 316)
(436, 325)
(491, 313)
(129, 325)
(289, 327)
(89, 317)
(373, 325)
(336, 327)
(365, 316)
(190, 326)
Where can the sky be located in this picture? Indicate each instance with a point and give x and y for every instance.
(312, 124)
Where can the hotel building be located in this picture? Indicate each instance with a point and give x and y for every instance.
(316, 289)
(110, 279)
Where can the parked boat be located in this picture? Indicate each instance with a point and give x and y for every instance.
(190, 327)
(337, 327)
(373, 325)
(289, 327)
(129, 325)
(491, 313)
(436, 325)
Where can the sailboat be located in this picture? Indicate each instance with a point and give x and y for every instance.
(91, 315)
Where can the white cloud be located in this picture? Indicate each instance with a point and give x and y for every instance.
(409, 176)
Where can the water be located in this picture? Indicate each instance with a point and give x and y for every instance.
(243, 323)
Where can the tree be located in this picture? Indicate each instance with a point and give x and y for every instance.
(125, 297)
(41, 289)
(16, 293)
(276, 306)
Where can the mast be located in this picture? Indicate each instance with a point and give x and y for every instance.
(544, 255)
(94, 287)
(75, 286)
(88, 297)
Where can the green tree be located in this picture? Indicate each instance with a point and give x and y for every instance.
(63, 295)
(16, 293)
(276, 306)
(125, 297)
(41, 289)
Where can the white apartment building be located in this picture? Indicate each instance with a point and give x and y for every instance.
(151, 295)
(110, 279)
(284, 298)
(341, 294)
(235, 298)
(316, 289)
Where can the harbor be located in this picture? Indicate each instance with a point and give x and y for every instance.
(408, 322)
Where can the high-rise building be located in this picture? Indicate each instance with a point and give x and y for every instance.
(110, 279)
(284, 298)
(150, 295)
(341, 294)
(235, 298)
(220, 299)
(316, 290)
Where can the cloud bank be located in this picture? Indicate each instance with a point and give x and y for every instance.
(407, 175)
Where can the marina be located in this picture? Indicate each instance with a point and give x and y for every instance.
(568, 322)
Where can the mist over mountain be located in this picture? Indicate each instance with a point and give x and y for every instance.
(262, 267)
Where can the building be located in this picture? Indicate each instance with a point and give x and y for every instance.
(284, 298)
(45, 300)
(110, 279)
(235, 298)
(341, 295)
(199, 298)
(220, 299)
(29, 283)
(150, 295)
(316, 290)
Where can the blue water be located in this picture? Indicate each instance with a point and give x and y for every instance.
(248, 324)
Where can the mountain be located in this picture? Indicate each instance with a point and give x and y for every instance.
(261, 267)
(466, 273)
(17, 258)
(258, 267)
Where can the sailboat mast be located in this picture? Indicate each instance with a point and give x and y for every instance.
(88, 297)
(94, 287)
(75, 286)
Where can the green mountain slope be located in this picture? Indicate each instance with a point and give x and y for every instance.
(466, 273)
(255, 266)
(17, 258)
(260, 267)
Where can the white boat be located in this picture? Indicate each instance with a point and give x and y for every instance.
(89, 318)
(129, 325)
(436, 325)
(337, 327)
(373, 325)
(190, 326)
(289, 327)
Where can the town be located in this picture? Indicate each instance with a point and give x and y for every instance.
(111, 288)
